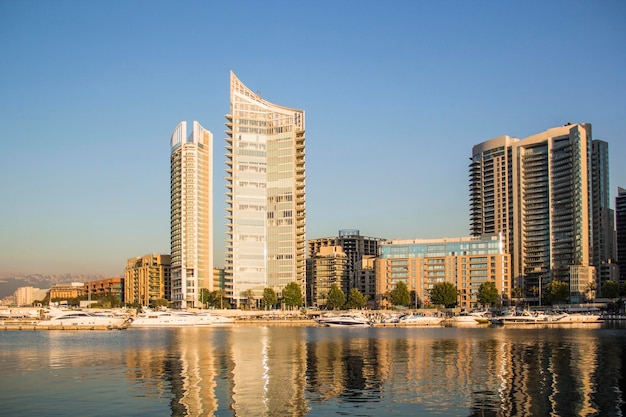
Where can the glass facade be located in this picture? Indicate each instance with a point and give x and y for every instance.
(265, 194)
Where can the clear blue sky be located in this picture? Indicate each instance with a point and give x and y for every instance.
(395, 93)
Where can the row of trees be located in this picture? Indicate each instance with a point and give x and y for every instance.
(291, 297)
(443, 293)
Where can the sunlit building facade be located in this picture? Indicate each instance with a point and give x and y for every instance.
(546, 194)
(359, 250)
(191, 196)
(466, 262)
(603, 217)
(147, 278)
(265, 176)
(620, 225)
(329, 266)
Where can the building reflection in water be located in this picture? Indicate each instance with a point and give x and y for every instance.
(266, 371)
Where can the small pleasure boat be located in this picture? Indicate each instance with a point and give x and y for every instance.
(470, 319)
(418, 320)
(344, 320)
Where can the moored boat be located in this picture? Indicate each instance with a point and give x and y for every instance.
(470, 319)
(166, 318)
(574, 318)
(77, 319)
(214, 319)
(344, 320)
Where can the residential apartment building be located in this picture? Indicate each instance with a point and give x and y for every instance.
(147, 278)
(540, 193)
(357, 248)
(109, 286)
(329, 266)
(191, 194)
(620, 224)
(603, 217)
(466, 262)
(26, 296)
(265, 173)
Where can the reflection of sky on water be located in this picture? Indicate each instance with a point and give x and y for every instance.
(265, 371)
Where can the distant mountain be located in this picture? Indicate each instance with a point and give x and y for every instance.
(11, 282)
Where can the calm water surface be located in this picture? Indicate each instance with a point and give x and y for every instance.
(314, 371)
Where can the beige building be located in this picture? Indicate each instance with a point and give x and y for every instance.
(147, 278)
(65, 291)
(25, 296)
(108, 286)
(466, 262)
(543, 196)
(191, 193)
(358, 249)
(265, 177)
(328, 266)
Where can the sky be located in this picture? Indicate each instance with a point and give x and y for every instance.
(396, 94)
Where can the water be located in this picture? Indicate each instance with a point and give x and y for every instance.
(254, 370)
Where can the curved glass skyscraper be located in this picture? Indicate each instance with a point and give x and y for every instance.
(265, 176)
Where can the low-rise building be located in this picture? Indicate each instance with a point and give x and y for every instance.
(466, 262)
(65, 291)
(329, 266)
(108, 286)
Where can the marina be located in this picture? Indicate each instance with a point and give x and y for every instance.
(310, 370)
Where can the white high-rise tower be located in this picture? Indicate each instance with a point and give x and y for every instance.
(265, 195)
(191, 214)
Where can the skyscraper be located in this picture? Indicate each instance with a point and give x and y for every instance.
(603, 217)
(541, 193)
(620, 225)
(191, 195)
(265, 176)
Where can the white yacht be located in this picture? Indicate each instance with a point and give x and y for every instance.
(81, 320)
(574, 318)
(344, 320)
(521, 317)
(418, 320)
(165, 318)
(214, 319)
(470, 319)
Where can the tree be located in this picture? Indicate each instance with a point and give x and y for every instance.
(269, 299)
(487, 293)
(356, 299)
(217, 299)
(335, 298)
(292, 295)
(444, 293)
(556, 291)
(400, 295)
(249, 294)
(590, 291)
(204, 296)
(610, 289)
